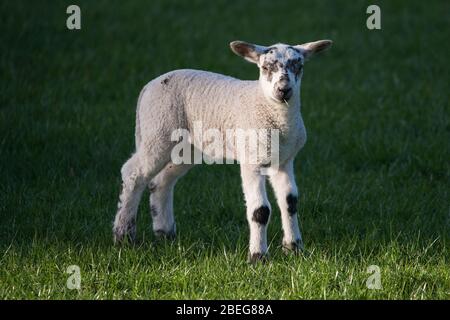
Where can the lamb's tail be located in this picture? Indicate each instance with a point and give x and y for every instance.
(137, 133)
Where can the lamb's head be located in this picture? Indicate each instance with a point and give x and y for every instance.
(280, 65)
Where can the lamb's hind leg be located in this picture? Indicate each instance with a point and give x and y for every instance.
(136, 173)
(161, 199)
(133, 184)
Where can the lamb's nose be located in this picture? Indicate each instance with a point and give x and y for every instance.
(284, 90)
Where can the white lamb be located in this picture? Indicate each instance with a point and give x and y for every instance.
(179, 98)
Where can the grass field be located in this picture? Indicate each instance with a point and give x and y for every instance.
(374, 175)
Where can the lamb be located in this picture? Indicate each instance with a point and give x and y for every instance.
(178, 99)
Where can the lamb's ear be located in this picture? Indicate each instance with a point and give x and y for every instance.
(250, 52)
(311, 48)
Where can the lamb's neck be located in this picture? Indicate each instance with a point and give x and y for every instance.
(254, 109)
(289, 110)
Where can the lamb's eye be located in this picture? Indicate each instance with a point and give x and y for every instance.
(265, 68)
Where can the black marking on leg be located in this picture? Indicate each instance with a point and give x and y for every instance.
(153, 211)
(292, 204)
(261, 215)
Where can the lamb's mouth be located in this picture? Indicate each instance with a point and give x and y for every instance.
(283, 95)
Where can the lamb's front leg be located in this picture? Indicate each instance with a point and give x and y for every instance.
(258, 211)
(285, 189)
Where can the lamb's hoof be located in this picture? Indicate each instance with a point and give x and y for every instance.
(257, 257)
(123, 237)
(295, 247)
(162, 235)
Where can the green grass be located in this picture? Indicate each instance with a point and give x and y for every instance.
(374, 175)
